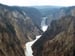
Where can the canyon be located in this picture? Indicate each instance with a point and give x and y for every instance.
(44, 27)
(37, 31)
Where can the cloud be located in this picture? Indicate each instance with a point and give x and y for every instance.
(38, 2)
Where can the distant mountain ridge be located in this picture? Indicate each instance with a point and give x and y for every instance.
(56, 12)
(45, 9)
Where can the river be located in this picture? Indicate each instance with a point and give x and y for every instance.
(29, 51)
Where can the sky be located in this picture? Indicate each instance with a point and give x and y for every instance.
(38, 2)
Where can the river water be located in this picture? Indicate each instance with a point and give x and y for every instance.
(29, 51)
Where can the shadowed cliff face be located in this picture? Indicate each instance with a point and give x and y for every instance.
(9, 43)
(58, 40)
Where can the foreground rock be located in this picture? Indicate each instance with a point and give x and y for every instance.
(9, 43)
(58, 40)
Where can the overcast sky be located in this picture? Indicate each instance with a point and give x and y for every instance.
(39, 2)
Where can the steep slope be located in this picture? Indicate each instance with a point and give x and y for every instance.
(9, 43)
(17, 28)
(31, 12)
(58, 40)
(24, 26)
(59, 13)
(34, 14)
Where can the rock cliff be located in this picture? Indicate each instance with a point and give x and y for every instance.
(23, 24)
(9, 43)
(17, 26)
(59, 13)
(58, 40)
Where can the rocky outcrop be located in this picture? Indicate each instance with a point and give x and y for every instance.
(58, 40)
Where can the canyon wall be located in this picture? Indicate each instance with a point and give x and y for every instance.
(17, 26)
(58, 40)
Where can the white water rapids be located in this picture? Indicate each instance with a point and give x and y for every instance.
(29, 51)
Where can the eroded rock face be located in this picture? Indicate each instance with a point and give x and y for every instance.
(64, 11)
(9, 43)
(58, 40)
(23, 24)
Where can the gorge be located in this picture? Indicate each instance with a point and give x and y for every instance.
(37, 31)
(28, 45)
